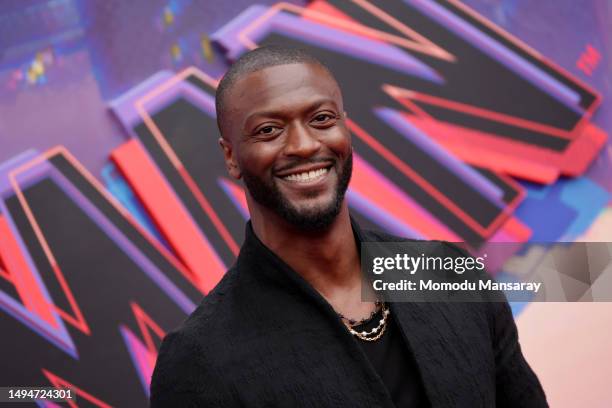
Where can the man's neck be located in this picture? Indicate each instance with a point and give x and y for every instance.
(327, 259)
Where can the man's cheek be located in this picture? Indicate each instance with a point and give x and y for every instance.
(341, 140)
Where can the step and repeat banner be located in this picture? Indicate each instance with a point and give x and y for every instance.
(476, 121)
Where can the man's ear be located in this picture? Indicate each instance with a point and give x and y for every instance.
(230, 160)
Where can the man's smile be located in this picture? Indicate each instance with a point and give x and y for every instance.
(306, 174)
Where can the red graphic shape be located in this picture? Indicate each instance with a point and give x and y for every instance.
(19, 274)
(59, 382)
(589, 60)
(172, 219)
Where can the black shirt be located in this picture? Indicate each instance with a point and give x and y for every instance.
(393, 361)
(264, 337)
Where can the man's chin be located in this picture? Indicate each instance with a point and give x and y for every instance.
(311, 218)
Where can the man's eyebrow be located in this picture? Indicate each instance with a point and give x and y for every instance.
(267, 114)
(316, 105)
(279, 114)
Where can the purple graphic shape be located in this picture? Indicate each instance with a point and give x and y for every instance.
(333, 39)
(115, 234)
(438, 153)
(129, 116)
(486, 44)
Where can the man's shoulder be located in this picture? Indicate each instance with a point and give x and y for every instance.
(369, 235)
(215, 308)
(450, 248)
(210, 315)
(189, 356)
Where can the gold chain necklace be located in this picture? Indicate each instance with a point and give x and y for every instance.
(375, 333)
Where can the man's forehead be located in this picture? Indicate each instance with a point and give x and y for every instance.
(279, 80)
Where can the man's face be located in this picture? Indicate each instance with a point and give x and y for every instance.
(289, 142)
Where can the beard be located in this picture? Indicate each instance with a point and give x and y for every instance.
(307, 219)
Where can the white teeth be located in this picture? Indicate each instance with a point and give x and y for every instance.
(306, 176)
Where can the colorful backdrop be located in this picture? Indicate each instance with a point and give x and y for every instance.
(483, 121)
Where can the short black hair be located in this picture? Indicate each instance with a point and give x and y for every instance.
(256, 60)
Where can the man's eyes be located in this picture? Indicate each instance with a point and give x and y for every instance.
(324, 118)
(321, 119)
(267, 130)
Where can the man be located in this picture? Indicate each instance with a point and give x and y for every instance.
(286, 326)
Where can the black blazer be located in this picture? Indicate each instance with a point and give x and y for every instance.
(265, 338)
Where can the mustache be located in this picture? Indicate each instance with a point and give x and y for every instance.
(296, 163)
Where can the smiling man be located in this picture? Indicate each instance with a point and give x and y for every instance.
(286, 326)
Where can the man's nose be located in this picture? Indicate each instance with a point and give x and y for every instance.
(301, 142)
